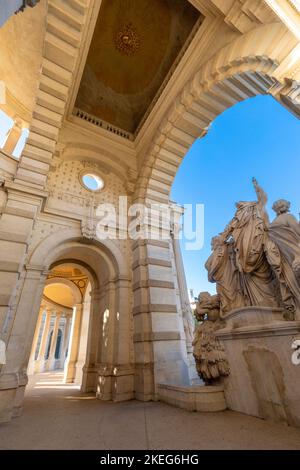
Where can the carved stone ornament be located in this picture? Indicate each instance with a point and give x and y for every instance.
(211, 362)
(127, 40)
(88, 230)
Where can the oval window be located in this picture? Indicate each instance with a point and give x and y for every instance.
(92, 182)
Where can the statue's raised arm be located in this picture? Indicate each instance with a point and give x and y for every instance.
(262, 197)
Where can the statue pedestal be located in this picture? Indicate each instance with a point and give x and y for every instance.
(264, 378)
(193, 397)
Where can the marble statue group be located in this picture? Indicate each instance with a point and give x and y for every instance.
(253, 263)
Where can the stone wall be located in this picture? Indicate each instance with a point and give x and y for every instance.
(263, 379)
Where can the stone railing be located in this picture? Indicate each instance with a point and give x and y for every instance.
(103, 124)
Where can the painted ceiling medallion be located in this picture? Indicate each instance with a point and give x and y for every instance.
(127, 40)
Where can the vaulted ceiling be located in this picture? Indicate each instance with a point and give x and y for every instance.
(135, 44)
(60, 293)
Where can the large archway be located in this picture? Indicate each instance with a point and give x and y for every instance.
(61, 334)
(105, 364)
(246, 67)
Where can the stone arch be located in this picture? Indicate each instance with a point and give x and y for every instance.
(108, 367)
(110, 317)
(57, 244)
(75, 290)
(246, 67)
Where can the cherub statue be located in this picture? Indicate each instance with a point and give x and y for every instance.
(211, 363)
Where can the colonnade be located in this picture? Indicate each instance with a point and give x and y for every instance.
(51, 339)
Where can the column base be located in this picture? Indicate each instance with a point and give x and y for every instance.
(144, 382)
(115, 383)
(12, 390)
(89, 377)
(7, 400)
(18, 401)
(79, 372)
(70, 372)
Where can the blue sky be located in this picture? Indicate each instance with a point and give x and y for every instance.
(257, 137)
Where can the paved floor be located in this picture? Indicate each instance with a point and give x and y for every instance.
(57, 416)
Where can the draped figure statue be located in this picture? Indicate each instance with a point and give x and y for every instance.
(285, 231)
(257, 263)
(222, 269)
(248, 232)
(284, 255)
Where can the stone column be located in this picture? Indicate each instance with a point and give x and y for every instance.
(70, 368)
(94, 340)
(66, 339)
(31, 365)
(19, 336)
(123, 373)
(106, 343)
(83, 342)
(50, 365)
(13, 136)
(40, 362)
(187, 316)
(158, 337)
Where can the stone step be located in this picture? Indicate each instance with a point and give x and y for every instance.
(193, 397)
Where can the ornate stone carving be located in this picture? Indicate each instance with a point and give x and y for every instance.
(89, 226)
(88, 230)
(127, 40)
(211, 362)
(255, 263)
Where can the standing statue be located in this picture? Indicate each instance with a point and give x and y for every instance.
(248, 232)
(222, 269)
(285, 231)
(211, 363)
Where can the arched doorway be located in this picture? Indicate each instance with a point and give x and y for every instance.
(236, 72)
(66, 290)
(100, 354)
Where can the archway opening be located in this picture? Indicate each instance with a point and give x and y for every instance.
(58, 331)
(98, 356)
(257, 137)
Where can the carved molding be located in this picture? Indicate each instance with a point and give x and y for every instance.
(242, 69)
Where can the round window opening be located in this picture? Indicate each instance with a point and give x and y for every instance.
(92, 182)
